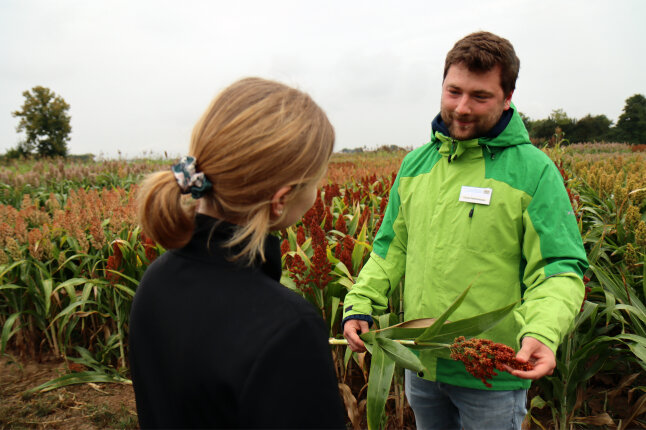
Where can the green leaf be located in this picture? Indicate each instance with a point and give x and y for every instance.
(469, 327)
(382, 368)
(4, 269)
(69, 308)
(369, 337)
(69, 286)
(77, 378)
(125, 289)
(71, 282)
(334, 306)
(403, 356)
(383, 320)
(6, 330)
(124, 276)
(347, 357)
(340, 267)
(361, 246)
(537, 402)
(47, 292)
(434, 328)
(347, 283)
(11, 287)
(354, 222)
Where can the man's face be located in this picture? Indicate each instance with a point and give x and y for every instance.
(472, 103)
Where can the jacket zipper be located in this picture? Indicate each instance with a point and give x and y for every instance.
(452, 151)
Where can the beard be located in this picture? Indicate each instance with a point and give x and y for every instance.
(466, 127)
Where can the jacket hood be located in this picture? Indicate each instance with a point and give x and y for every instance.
(509, 131)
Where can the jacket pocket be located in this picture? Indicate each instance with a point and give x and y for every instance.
(496, 229)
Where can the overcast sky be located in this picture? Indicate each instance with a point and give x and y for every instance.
(139, 73)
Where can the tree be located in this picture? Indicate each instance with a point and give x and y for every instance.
(631, 126)
(44, 119)
(590, 129)
(563, 121)
(526, 120)
(544, 129)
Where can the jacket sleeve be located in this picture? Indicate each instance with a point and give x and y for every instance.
(385, 267)
(555, 262)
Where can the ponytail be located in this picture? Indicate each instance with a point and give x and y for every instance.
(162, 212)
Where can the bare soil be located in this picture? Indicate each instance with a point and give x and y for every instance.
(86, 406)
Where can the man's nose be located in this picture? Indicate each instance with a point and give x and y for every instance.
(463, 107)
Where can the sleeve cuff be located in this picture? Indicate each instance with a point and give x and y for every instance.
(367, 318)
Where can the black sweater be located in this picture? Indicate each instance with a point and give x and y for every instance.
(214, 344)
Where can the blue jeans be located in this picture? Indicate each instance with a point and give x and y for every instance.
(442, 406)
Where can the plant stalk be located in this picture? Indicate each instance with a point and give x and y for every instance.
(406, 342)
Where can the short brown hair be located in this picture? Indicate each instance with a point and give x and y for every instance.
(256, 137)
(481, 52)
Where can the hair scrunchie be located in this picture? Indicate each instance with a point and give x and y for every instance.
(190, 181)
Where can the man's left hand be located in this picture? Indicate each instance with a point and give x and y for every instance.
(539, 355)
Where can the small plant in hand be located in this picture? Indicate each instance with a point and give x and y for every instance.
(482, 356)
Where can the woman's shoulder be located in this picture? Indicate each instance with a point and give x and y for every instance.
(292, 304)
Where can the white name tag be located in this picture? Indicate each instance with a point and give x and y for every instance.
(481, 196)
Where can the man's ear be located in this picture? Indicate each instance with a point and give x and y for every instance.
(278, 201)
(508, 100)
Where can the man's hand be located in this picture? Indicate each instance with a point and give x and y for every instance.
(351, 331)
(539, 355)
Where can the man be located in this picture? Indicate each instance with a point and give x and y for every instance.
(477, 204)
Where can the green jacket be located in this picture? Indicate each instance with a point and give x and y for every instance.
(524, 244)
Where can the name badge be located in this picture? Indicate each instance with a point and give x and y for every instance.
(481, 196)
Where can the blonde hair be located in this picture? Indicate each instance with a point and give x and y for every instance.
(256, 137)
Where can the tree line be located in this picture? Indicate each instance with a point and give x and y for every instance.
(630, 127)
(45, 120)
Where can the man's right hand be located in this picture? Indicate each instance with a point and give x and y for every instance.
(351, 331)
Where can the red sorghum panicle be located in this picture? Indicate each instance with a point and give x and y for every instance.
(365, 214)
(378, 225)
(300, 235)
(114, 264)
(110, 267)
(284, 247)
(328, 219)
(383, 204)
(284, 250)
(315, 214)
(331, 191)
(347, 199)
(320, 268)
(482, 356)
(340, 225)
(150, 248)
(343, 252)
(318, 236)
(297, 271)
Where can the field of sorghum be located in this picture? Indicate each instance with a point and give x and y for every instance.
(71, 256)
